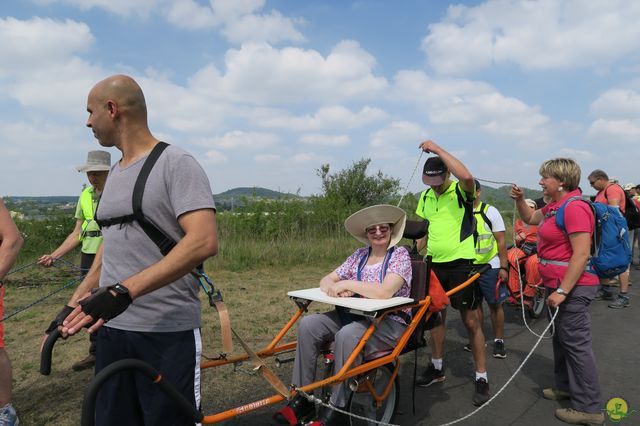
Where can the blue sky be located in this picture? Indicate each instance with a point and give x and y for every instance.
(264, 92)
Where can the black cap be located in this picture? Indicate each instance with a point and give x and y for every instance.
(478, 186)
(433, 172)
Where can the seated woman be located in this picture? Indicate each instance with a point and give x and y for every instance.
(378, 271)
(526, 238)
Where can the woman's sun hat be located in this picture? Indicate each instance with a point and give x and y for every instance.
(97, 161)
(357, 223)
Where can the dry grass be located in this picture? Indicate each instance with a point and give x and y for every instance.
(258, 306)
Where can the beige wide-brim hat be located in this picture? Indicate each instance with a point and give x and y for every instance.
(97, 161)
(357, 223)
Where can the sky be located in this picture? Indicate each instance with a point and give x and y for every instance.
(264, 92)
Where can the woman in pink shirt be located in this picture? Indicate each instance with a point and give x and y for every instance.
(563, 261)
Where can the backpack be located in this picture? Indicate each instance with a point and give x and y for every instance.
(610, 250)
(631, 212)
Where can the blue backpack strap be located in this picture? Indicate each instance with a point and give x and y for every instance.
(560, 212)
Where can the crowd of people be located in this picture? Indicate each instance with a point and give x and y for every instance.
(138, 299)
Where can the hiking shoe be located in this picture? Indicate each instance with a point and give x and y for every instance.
(467, 347)
(431, 375)
(498, 349)
(481, 395)
(8, 416)
(555, 394)
(620, 302)
(574, 417)
(88, 362)
(603, 295)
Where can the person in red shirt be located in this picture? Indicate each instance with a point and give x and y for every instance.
(612, 194)
(525, 235)
(563, 259)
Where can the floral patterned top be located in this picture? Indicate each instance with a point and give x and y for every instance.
(400, 263)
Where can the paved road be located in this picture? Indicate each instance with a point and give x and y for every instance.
(616, 344)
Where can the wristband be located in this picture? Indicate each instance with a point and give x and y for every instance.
(102, 304)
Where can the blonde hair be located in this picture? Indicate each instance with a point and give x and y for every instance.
(565, 170)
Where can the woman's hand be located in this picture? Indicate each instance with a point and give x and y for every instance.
(555, 299)
(338, 288)
(516, 192)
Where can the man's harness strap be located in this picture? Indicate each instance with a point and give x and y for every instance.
(166, 243)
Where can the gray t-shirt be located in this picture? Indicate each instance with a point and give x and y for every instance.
(177, 185)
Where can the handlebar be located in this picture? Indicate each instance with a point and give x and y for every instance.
(89, 402)
(47, 351)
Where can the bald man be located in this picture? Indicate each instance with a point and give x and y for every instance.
(10, 244)
(146, 305)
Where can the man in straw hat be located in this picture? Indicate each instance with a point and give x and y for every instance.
(86, 232)
(380, 270)
(448, 206)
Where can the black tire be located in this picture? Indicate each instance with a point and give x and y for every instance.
(538, 302)
(363, 404)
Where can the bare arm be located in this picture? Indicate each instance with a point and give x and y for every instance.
(502, 254)
(10, 241)
(199, 242)
(69, 243)
(581, 246)
(454, 165)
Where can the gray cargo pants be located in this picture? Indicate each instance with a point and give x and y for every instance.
(315, 330)
(574, 361)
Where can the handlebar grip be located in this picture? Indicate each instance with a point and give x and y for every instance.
(90, 395)
(47, 351)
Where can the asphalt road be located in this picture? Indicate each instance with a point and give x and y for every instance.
(616, 338)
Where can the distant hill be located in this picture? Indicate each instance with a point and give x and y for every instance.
(235, 197)
(499, 197)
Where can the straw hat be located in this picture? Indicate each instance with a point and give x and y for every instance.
(357, 223)
(97, 161)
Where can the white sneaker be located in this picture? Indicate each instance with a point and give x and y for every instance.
(8, 416)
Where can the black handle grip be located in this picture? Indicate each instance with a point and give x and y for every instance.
(89, 402)
(47, 351)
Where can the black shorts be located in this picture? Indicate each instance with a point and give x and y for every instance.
(451, 274)
(130, 398)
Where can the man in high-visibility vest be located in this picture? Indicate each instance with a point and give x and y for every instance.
(86, 232)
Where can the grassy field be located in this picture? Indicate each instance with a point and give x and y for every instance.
(258, 307)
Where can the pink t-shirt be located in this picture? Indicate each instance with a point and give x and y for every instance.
(553, 244)
(612, 192)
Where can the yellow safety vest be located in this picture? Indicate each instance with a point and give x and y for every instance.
(86, 206)
(486, 246)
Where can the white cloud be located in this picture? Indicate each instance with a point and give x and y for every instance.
(325, 118)
(215, 157)
(472, 105)
(239, 139)
(537, 35)
(189, 14)
(398, 134)
(304, 158)
(267, 158)
(617, 103)
(325, 140)
(611, 131)
(38, 42)
(118, 7)
(271, 28)
(262, 74)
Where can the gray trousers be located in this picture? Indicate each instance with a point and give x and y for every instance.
(574, 361)
(314, 331)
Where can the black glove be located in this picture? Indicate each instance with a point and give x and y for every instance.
(57, 321)
(102, 304)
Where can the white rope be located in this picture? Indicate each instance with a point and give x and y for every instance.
(508, 381)
(406, 189)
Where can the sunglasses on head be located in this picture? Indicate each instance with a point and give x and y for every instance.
(382, 228)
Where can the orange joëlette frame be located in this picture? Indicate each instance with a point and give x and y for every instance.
(345, 372)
